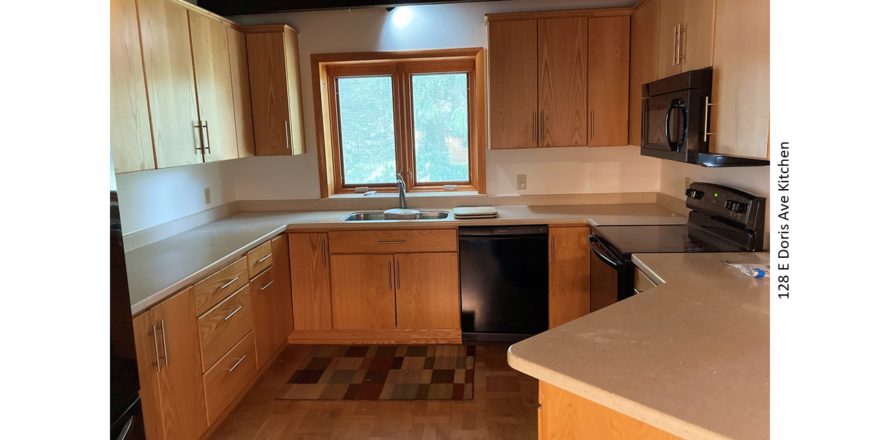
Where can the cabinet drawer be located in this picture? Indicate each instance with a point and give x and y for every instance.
(222, 326)
(259, 258)
(229, 377)
(220, 284)
(391, 241)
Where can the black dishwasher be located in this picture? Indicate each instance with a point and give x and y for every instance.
(503, 282)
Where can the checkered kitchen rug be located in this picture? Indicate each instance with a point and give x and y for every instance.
(385, 372)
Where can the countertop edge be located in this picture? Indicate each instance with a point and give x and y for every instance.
(167, 291)
(642, 413)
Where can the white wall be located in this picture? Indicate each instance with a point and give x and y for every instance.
(549, 171)
(755, 180)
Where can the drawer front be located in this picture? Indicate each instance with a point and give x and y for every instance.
(391, 241)
(642, 282)
(224, 325)
(229, 377)
(259, 258)
(220, 284)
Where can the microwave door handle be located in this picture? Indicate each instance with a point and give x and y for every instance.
(684, 117)
(601, 251)
(666, 126)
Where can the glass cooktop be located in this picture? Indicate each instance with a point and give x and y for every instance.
(663, 238)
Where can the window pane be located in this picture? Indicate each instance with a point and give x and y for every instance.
(440, 120)
(366, 122)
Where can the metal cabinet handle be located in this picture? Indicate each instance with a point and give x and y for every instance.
(682, 43)
(228, 283)
(675, 45)
(264, 258)
(553, 248)
(232, 313)
(236, 364)
(397, 272)
(164, 342)
(154, 331)
(267, 285)
(392, 241)
(207, 137)
(197, 139)
(592, 124)
(126, 429)
(706, 133)
(390, 277)
(535, 126)
(287, 133)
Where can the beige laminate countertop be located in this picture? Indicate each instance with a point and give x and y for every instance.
(159, 269)
(690, 356)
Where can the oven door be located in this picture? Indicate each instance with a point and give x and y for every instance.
(611, 276)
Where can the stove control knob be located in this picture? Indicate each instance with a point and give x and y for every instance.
(693, 193)
(735, 206)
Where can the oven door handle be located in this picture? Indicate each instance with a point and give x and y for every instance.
(601, 250)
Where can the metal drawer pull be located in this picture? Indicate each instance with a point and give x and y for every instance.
(232, 313)
(390, 277)
(706, 133)
(154, 331)
(228, 283)
(392, 241)
(236, 364)
(164, 341)
(267, 285)
(268, 256)
(287, 134)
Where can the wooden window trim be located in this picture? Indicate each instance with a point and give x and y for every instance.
(325, 67)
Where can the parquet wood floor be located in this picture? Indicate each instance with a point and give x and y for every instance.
(504, 407)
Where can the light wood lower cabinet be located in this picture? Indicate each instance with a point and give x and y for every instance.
(229, 377)
(569, 290)
(282, 308)
(362, 291)
(261, 289)
(565, 416)
(222, 326)
(310, 281)
(426, 291)
(169, 368)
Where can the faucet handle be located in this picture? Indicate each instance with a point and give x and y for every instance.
(400, 177)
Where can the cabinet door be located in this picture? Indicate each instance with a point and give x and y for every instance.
(148, 359)
(180, 374)
(562, 90)
(697, 39)
(264, 334)
(513, 95)
(569, 274)
(271, 115)
(740, 113)
(168, 66)
(645, 24)
(310, 281)
(608, 81)
(296, 144)
(282, 311)
(427, 291)
(241, 92)
(131, 140)
(214, 86)
(671, 22)
(362, 292)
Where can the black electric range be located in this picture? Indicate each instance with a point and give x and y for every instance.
(721, 219)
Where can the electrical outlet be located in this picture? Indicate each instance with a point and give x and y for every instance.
(520, 181)
(207, 195)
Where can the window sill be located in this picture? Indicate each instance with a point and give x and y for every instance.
(409, 195)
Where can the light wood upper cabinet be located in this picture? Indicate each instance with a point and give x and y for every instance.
(210, 52)
(685, 35)
(644, 49)
(241, 92)
(168, 65)
(362, 292)
(513, 82)
(427, 291)
(562, 61)
(131, 139)
(310, 281)
(169, 367)
(608, 92)
(740, 112)
(273, 66)
(569, 290)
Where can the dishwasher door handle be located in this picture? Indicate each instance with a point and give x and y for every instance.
(601, 250)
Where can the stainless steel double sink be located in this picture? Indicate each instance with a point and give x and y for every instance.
(365, 216)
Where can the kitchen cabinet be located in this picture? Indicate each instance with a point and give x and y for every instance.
(229, 378)
(281, 299)
(310, 281)
(211, 62)
(273, 66)
(740, 107)
(362, 291)
(224, 325)
(270, 290)
(559, 79)
(170, 370)
(264, 334)
(563, 415)
(131, 139)
(569, 276)
(426, 290)
(608, 92)
(168, 68)
(241, 92)
(685, 35)
(644, 50)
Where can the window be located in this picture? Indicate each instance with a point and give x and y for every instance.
(416, 115)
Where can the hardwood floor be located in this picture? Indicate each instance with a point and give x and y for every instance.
(504, 407)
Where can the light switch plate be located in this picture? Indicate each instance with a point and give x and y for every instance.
(207, 195)
(520, 181)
